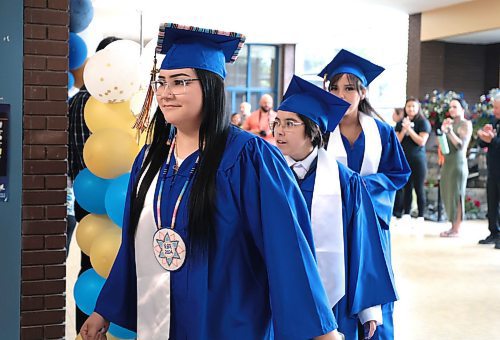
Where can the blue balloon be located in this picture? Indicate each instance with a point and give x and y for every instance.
(71, 80)
(116, 196)
(90, 191)
(81, 13)
(77, 51)
(87, 289)
(120, 332)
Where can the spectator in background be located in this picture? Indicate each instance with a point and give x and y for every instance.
(259, 121)
(245, 111)
(455, 170)
(78, 135)
(489, 136)
(236, 119)
(413, 133)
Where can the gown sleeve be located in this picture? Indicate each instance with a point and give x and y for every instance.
(117, 301)
(393, 173)
(274, 211)
(370, 278)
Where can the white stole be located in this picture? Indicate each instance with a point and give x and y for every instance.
(327, 226)
(153, 313)
(373, 145)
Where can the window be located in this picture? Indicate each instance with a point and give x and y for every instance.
(254, 73)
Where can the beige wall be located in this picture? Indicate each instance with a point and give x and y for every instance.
(469, 17)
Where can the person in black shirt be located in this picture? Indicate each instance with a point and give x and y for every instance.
(489, 137)
(413, 132)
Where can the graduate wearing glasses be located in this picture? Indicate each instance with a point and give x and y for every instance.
(213, 244)
(346, 235)
(367, 145)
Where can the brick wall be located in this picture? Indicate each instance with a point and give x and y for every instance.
(457, 67)
(44, 168)
(432, 66)
(464, 70)
(467, 68)
(413, 62)
(492, 68)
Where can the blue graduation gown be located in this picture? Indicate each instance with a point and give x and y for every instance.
(393, 170)
(392, 175)
(369, 279)
(259, 280)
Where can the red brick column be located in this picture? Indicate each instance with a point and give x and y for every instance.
(44, 168)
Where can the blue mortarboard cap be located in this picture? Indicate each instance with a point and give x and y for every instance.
(322, 107)
(201, 48)
(347, 62)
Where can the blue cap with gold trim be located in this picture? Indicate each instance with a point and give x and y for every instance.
(200, 48)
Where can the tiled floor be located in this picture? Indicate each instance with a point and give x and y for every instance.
(448, 288)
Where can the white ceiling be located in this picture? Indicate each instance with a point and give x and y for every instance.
(268, 21)
(417, 6)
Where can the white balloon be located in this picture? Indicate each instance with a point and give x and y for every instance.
(111, 75)
(132, 48)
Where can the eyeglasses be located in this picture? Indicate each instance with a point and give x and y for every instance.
(287, 126)
(177, 86)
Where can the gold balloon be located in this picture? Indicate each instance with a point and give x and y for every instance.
(104, 250)
(89, 228)
(99, 116)
(79, 337)
(110, 153)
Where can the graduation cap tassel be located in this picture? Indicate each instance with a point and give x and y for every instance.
(142, 121)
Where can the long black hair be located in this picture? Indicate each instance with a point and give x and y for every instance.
(364, 104)
(214, 130)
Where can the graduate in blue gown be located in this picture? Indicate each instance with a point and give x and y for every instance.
(213, 244)
(367, 145)
(345, 230)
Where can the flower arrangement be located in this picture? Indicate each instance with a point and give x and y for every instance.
(436, 105)
(472, 206)
(482, 112)
(473, 209)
